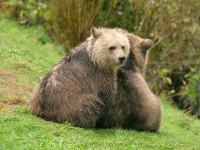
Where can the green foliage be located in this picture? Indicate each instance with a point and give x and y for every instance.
(29, 11)
(190, 89)
(177, 24)
(116, 13)
(72, 20)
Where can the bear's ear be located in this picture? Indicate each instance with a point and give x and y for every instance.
(146, 45)
(95, 32)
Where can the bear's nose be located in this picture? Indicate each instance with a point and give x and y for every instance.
(121, 59)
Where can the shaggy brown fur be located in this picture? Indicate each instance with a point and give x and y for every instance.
(77, 91)
(136, 107)
(74, 92)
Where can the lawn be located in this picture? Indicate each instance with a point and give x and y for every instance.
(26, 54)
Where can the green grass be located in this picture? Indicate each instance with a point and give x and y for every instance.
(24, 59)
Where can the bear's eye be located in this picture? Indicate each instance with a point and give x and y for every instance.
(112, 48)
(123, 47)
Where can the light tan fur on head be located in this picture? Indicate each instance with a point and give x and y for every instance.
(139, 48)
(107, 46)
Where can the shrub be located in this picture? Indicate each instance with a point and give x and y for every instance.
(72, 20)
(28, 11)
(174, 28)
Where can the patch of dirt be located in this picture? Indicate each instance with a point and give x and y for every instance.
(4, 107)
(12, 94)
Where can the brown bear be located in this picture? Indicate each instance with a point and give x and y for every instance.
(135, 107)
(78, 91)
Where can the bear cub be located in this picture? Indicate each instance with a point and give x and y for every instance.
(79, 91)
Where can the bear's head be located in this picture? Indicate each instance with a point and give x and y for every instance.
(139, 49)
(108, 48)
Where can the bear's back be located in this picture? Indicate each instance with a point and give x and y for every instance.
(76, 74)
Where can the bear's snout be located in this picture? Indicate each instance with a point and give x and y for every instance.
(121, 59)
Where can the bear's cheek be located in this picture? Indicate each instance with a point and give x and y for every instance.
(127, 52)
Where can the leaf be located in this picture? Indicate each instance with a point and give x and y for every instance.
(168, 80)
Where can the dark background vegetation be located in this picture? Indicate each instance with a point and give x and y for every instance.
(174, 26)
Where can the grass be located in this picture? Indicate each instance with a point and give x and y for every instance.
(24, 59)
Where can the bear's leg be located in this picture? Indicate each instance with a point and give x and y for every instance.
(146, 104)
(82, 110)
(87, 111)
(137, 108)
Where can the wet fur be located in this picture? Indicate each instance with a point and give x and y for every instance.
(136, 107)
(80, 90)
(77, 97)
(86, 98)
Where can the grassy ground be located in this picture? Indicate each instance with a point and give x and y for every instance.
(25, 56)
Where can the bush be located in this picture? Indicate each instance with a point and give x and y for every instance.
(72, 20)
(29, 11)
(174, 28)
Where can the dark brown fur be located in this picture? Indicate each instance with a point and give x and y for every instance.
(76, 91)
